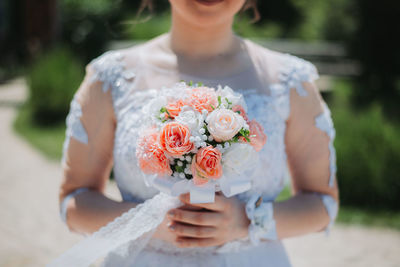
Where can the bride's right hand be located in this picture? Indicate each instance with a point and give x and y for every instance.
(162, 232)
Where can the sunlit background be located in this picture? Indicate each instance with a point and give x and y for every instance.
(45, 45)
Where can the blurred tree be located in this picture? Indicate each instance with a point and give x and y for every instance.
(40, 24)
(27, 27)
(339, 20)
(284, 13)
(87, 25)
(11, 37)
(376, 45)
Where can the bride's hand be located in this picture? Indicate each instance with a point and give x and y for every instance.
(163, 232)
(214, 224)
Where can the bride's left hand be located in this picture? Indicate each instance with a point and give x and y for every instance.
(215, 224)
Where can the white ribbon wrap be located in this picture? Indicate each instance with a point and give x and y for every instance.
(199, 194)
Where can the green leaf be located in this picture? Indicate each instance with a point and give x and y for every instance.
(212, 106)
(191, 83)
(219, 101)
(178, 168)
(244, 132)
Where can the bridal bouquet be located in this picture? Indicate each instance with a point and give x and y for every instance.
(199, 140)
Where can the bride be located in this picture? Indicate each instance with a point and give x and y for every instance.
(280, 92)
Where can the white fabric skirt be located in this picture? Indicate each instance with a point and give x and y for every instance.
(268, 254)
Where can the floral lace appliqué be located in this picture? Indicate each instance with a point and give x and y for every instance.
(324, 123)
(295, 72)
(331, 207)
(74, 126)
(110, 70)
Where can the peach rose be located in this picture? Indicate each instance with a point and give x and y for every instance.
(206, 164)
(203, 98)
(152, 159)
(174, 139)
(257, 135)
(240, 110)
(174, 108)
(224, 124)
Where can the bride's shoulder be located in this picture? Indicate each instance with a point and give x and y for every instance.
(281, 67)
(131, 59)
(115, 60)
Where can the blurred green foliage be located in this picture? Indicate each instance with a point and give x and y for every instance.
(368, 153)
(152, 27)
(53, 80)
(86, 25)
(375, 44)
(48, 139)
(95, 7)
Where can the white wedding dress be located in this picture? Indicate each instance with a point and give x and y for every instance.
(106, 113)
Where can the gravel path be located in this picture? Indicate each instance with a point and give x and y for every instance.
(32, 233)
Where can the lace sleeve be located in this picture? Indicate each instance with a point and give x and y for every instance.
(88, 145)
(309, 138)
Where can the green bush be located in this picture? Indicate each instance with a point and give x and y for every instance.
(154, 26)
(88, 25)
(53, 80)
(368, 154)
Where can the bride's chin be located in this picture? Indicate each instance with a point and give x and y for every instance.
(209, 12)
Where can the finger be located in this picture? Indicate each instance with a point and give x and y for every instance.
(188, 242)
(189, 207)
(206, 218)
(217, 205)
(187, 230)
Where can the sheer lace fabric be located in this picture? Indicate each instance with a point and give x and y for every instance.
(106, 114)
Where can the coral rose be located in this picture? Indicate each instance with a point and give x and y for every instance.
(174, 139)
(174, 108)
(206, 164)
(240, 110)
(151, 157)
(257, 136)
(203, 98)
(224, 124)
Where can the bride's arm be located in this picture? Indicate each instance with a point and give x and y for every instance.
(87, 160)
(311, 158)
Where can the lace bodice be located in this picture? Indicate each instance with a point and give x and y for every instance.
(107, 111)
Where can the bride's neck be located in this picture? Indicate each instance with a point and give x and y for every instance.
(194, 41)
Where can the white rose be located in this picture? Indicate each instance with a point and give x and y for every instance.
(238, 158)
(224, 124)
(233, 97)
(154, 106)
(191, 118)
